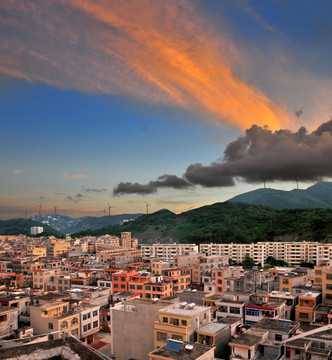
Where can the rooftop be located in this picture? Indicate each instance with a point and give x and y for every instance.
(213, 328)
(195, 352)
(285, 326)
(185, 311)
(248, 339)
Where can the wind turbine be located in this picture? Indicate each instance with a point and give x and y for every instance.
(147, 207)
(40, 208)
(55, 207)
(109, 209)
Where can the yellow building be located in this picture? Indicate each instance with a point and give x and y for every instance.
(58, 247)
(180, 322)
(37, 251)
(327, 286)
(54, 316)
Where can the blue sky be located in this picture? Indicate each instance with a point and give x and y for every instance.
(143, 89)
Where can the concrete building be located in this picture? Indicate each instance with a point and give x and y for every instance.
(304, 311)
(175, 350)
(180, 322)
(58, 247)
(167, 251)
(54, 316)
(8, 320)
(291, 252)
(134, 320)
(35, 230)
(89, 322)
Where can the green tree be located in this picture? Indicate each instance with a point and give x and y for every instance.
(248, 262)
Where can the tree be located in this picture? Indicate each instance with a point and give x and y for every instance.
(248, 262)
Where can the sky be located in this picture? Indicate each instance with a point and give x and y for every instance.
(175, 104)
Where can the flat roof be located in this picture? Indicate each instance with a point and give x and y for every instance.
(197, 351)
(184, 311)
(249, 338)
(213, 328)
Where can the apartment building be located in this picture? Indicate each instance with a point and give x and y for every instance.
(42, 277)
(8, 320)
(137, 282)
(58, 247)
(291, 252)
(327, 285)
(132, 322)
(126, 239)
(157, 267)
(54, 316)
(304, 311)
(290, 279)
(180, 282)
(89, 322)
(167, 251)
(36, 251)
(180, 322)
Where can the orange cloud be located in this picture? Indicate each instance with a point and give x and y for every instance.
(17, 171)
(158, 51)
(74, 176)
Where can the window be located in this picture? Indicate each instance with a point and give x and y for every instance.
(89, 326)
(165, 320)
(95, 324)
(161, 336)
(50, 326)
(115, 285)
(147, 287)
(123, 286)
(74, 321)
(184, 322)
(123, 279)
(95, 313)
(285, 281)
(108, 318)
(148, 296)
(234, 310)
(328, 276)
(85, 328)
(304, 315)
(174, 322)
(102, 284)
(251, 312)
(278, 337)
(108, 285)
(177, 337)
(115, 278)
(132, 287)
(86, 316)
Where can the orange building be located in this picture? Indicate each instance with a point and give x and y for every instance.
(158, 290)
(180, 282)
(120, 280)
(304, 311)
(137, 283)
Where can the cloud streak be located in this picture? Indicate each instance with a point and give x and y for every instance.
(154, 50)
(94, 190)
(257, 156)
(17, 171)
(74, 176)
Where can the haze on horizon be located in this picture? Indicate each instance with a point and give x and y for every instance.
(143, 101)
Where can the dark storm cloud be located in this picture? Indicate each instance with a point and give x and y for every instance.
(94, 190)
(299, 113)
(163, 181)
(75, 198)
(260, 155)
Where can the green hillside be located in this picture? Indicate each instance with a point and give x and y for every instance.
(21, 226)
(316, 196)
(228, 222)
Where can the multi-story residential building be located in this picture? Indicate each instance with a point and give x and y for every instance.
(58, 247)
(230, 306)
(109, 256)
(259, 306)
(42, 277)
(318, 272)
(19, 302)
(158, 289)
(221, 276)
(27, 268)
(182, 261)
(137, 282)
(304, 311)
(36, 251)
(205, 266)
(89, 322)
(54, 316)
(167, 251)
(291, 252)
(290, 302)
(290, 279)
(327, 285)
(157, 267)
(180, 282)
(121, 279)
(126, 239)
(8, 320)
(180, 322)
(132, 322)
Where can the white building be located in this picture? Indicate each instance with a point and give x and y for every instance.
(89, 322)
(35, 230)
(167, 251)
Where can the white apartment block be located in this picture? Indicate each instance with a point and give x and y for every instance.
(291, 252)
(167, 251)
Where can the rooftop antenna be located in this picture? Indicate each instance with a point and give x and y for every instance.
(55, 207)
(147, 207)
(40, 208)
(25, 214)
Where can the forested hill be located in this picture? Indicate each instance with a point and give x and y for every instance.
(228, 222)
